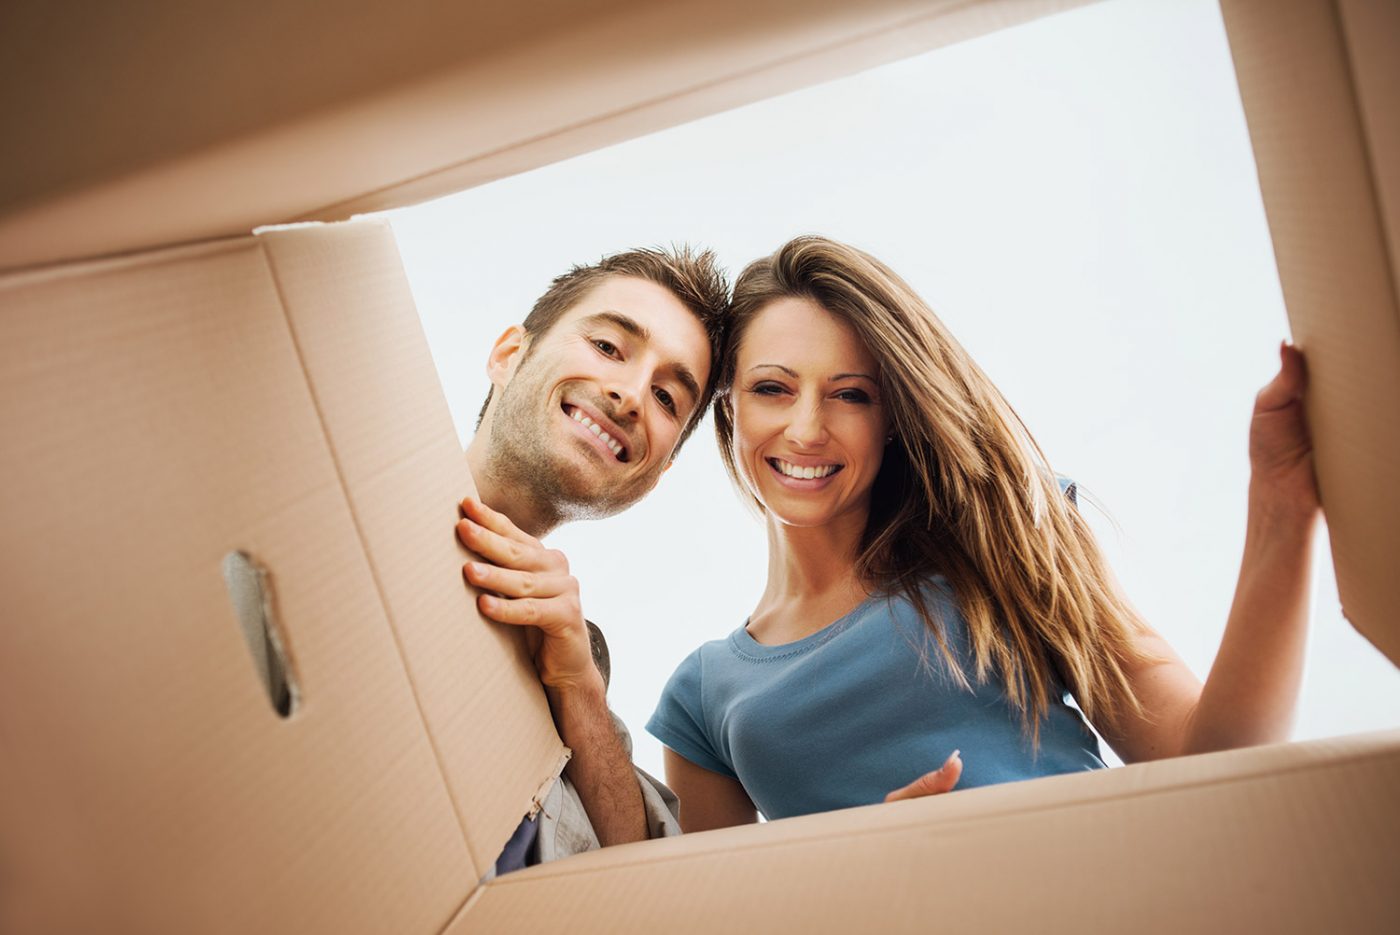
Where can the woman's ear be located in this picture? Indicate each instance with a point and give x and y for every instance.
(505, 355)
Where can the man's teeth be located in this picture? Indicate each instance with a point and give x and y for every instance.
(805, 473)
(592, 426)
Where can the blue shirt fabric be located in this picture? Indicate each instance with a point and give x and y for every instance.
(859, 708)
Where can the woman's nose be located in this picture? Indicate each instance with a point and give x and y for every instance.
(806, 429)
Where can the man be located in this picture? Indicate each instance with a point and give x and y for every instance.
(590, 400)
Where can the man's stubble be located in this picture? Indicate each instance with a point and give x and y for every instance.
(527, 456)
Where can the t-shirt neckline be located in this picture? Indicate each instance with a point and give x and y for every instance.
(746, 645)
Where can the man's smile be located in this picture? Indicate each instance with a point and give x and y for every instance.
(603, 433)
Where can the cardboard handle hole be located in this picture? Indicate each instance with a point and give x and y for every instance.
(250, 591)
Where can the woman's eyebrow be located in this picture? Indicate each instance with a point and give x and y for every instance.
(787, 370)
(831, 379)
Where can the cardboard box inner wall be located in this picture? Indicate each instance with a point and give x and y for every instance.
(146, 125)
(1295, 838)
(273, 395)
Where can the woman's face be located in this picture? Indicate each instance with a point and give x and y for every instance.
(809, 424)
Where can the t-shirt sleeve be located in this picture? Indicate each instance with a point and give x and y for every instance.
(679, 719)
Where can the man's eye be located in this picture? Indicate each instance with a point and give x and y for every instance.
(607, 347)
(666, 400)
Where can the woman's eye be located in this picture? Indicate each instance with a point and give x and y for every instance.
(666, 400)
(606, 346)
(854, 396)
(766, 389)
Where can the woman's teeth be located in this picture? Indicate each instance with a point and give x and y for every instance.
(803, 473)
(592, 426)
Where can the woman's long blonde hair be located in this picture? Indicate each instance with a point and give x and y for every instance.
(964, 491)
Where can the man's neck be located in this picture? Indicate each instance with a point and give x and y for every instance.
(500, 495)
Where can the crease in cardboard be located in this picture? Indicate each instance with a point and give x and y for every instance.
(457, 808)
(40, 274)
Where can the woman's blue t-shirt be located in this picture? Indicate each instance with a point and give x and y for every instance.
(859, 708)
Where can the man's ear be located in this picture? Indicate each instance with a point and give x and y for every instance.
(505, 355)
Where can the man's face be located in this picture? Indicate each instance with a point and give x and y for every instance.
(589, 412)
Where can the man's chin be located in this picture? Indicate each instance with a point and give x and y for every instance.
(587, 492)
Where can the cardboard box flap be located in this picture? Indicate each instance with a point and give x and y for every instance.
(156, 418)
(1291, 838)
(130, 127)
(1320, 82)
(396, 450)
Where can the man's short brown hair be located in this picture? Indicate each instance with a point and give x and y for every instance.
(694, 278)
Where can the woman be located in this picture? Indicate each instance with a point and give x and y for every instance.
(931, 585)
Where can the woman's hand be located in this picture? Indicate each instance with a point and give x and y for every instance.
(1280, 448)
(940, 780)
(527, 585)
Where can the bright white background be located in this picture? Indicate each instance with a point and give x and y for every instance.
(1076, 197)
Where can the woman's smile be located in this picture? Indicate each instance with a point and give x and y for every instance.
(810, 477)
(810, 429)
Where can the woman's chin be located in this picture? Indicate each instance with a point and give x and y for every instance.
(785, 512)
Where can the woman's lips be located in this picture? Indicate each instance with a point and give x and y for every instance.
(783, 471)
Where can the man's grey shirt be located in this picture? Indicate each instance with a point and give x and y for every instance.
(561, 828)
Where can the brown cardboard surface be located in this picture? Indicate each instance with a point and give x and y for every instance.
(376, 391)
(156, 416)
(274, 395)
(1321, 90)
(1289, 838)
(151, 124)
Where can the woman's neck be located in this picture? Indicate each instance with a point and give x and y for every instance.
(811, 579)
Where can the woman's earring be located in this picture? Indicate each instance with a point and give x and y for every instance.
(889, 438)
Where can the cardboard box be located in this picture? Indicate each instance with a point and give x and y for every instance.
(273, 395)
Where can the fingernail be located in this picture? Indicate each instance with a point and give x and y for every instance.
(951, 757)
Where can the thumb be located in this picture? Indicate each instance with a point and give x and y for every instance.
(1287, 385)
(939, 781)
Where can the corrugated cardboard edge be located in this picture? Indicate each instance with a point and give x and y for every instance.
(537, 800)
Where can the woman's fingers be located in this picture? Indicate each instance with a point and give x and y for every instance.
(940, 780)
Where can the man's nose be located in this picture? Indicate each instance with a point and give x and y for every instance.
(626, 394)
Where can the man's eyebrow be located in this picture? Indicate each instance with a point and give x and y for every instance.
(639, 331)
(687, 379)
(630, 325)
